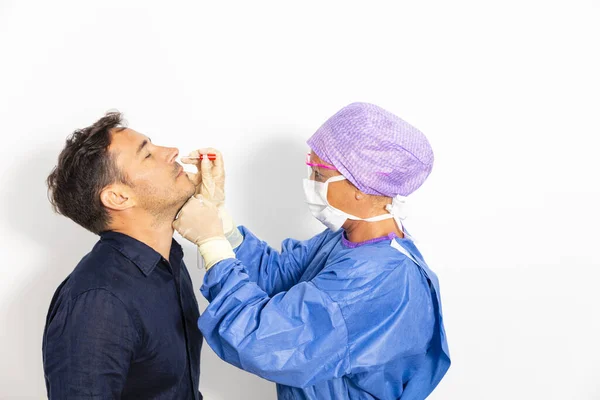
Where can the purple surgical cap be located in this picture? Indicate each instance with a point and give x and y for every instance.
(377, 151)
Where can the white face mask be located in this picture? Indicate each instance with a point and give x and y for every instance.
(333, 218)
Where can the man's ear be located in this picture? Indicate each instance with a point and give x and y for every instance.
(117, 197)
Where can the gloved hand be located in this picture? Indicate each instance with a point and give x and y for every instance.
(210, 183)
(210, 179)
(199, 222)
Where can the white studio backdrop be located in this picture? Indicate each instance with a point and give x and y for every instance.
(507, 92)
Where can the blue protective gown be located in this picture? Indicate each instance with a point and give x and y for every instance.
(325, 320)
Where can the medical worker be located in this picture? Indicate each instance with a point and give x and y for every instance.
(354, 312)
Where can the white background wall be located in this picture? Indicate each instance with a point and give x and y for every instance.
(507, 92)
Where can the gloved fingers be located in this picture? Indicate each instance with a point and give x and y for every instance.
(180, 213)
(194, 177)
(218, 169)
(217, 162)
(177, 224)
(211, 150)
(208, 181)
(193, 161)
(193, 203)
(198, 220)
(182, 230)
(197, 203)
(203, 202)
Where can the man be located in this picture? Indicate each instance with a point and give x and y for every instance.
(123, 324)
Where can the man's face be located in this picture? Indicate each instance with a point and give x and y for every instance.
(158, 182)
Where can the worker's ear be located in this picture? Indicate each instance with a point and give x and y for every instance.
(117, 197)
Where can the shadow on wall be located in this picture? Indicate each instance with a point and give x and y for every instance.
(274, 206)
(60, 244)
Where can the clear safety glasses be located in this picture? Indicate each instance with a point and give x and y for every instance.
(312, 166)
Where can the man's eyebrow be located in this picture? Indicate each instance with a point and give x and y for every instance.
(142, 145)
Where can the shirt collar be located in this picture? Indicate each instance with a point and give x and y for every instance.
(352, 245)
(142, 255)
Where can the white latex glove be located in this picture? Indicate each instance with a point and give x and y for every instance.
(210, 179)
(199, 222)
(210, 183)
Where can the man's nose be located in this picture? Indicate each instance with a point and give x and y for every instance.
(172, 154)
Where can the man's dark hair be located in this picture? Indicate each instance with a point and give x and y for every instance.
(84, 168)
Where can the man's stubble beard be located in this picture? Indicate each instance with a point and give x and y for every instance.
(165, 211)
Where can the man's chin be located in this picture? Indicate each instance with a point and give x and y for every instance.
(183, 200)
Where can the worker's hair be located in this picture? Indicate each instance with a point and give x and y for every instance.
(84, 168)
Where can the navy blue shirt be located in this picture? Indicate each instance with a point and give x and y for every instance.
(123, 325)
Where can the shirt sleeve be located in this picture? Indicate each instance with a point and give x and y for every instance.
(296, 337)
(275, 271)
(353, 316)
(90, 342)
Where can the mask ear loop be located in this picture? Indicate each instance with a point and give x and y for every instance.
(398, 210)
